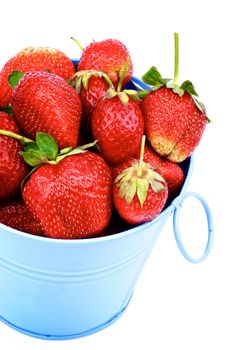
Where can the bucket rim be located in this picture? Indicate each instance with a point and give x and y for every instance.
(134, 230)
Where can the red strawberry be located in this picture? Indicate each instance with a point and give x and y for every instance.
(5, 89)
(174, 119)
(174, 124)
(12, 167)
(91, 87)
(139, 192)
(171, 172)
(71, 199)
(108, 56)
(97, 88)
(34, 59)
(118, 127)
(16, 215)
(46, 102)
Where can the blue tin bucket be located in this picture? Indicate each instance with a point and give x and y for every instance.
(63, 289)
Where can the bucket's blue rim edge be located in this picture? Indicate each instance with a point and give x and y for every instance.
(59, 241)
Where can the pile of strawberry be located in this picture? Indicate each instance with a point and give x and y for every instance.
(53, 185)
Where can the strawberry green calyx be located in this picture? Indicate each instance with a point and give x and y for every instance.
(14, 78)
(81, 78)
(153, 78)
(44, 150)
(136, 180)
(123, 95)
(7, 109)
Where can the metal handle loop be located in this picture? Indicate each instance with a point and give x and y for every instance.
(178, 205)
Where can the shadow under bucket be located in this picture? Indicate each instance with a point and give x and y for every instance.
(63, 289)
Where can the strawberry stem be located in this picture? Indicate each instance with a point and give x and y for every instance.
(77, 42)
(123, 74)
(176, 72)
(139, 172)
(15, 136)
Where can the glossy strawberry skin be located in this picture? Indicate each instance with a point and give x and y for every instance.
(108, 56)
(90, 97)
(5, 89)
(171, 172)
(13, 169)
(15, 215)
(174, 125)
(133, 213)
(118, 129)
(71, 199)
(34, 59)
(46, 102)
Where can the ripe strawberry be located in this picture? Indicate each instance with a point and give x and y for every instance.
(34, 59)
(108, 56)
(97, 88)
(174, 124)
(91, 87)
(15, 214)
(5, 89)
(139, 193)
(46, 102)
(12, 167)
(174, 119)
(71, 199)
(171, 172)
(118, 126)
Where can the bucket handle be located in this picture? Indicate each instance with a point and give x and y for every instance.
(177, 203)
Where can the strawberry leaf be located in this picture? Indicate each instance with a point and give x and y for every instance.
(131, 191)
(69, 81)
(44, 150)
(7, 109)
(188, 86)
(47, 145)
(142, 93)
(65, 150)
(201, 107)
(165, 81)
(153, 78)
(136, 181)
(178, 90)
(85, 80)
(157, 186)
(132, 94)
(77, 84)
(14, 78)
(123, 98)
(33, 157)
(157, 86)
(31, 147)
(142, 189)
(111, 93)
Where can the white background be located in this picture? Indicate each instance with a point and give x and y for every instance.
(176, 305)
